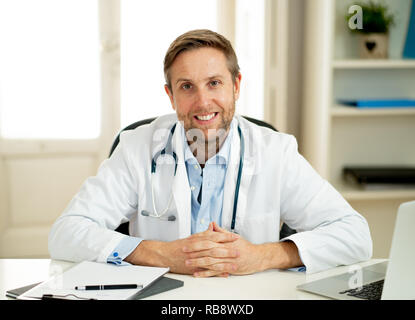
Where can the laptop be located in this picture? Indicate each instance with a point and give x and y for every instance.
(388, 280)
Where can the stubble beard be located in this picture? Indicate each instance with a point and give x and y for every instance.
(205, 144)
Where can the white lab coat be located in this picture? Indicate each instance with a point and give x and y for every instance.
(277, 184)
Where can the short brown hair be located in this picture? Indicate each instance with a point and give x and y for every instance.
(196, 39)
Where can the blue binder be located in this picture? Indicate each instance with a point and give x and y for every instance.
(409, 49)
(378, 103)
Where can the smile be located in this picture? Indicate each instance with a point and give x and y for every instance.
(206, 117)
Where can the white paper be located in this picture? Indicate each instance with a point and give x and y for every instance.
(93, 273)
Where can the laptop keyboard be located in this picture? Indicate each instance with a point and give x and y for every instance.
(370, 291)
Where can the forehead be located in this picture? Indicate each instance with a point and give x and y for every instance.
(199, 63)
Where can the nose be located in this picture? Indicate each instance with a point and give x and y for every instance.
(202, 98)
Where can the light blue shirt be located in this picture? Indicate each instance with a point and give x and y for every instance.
(123, 250)
(211, 179)
(212, 184)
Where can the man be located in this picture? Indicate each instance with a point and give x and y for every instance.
(181, 215)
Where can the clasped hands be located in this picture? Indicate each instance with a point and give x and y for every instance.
(215, 252)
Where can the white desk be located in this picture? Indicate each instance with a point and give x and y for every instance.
(268, 285)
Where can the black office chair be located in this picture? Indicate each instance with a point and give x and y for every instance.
(123, 228)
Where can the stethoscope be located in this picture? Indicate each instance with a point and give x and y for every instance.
(168, 150)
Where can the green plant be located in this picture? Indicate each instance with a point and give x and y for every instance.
(375, 18)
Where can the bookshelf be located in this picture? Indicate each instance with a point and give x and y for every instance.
(342, 111)
(333, 135)
(353, 195)
(372, 64)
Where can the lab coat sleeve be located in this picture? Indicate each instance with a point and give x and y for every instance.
(124, 248)
(329, 231)
(85, 230)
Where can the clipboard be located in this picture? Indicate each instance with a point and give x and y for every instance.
(93, 273)
(161, 285)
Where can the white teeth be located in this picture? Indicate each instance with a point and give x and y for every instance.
(206, 118)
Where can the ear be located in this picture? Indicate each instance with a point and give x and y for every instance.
(170, 94)
(237, 86)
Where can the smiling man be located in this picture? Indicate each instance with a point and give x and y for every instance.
(204, 97)
(228, 175)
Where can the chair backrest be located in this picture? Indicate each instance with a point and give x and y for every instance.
(149, 120)
(130, 127)
(123, 228)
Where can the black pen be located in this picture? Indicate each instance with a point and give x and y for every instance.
(110, 287)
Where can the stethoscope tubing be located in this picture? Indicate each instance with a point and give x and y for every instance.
(168, 149)
(238, 180)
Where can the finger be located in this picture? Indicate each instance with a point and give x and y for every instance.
(219, 252)
(224, 275)
(210, 273)
(202, 272)
(201, 262)
(217, 228)
(199, 245)
(224, 267)
(219, 268)
(214, 239)
(207, 273)
(221, 237)
(208, 240)
(203, 233)
(212, 264)
(213, 226)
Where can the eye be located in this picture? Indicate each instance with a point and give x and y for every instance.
(186, 86)
(214, 83)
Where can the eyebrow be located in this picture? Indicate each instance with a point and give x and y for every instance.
(208, 78)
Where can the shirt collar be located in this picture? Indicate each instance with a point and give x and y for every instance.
(222, 155)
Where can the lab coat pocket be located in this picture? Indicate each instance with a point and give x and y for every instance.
(165, 228)
(261, 227)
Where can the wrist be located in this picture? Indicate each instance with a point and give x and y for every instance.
(148, 253)
(281, 255)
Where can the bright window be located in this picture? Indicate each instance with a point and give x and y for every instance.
(147, 29)
(249, 47)
(49, 69)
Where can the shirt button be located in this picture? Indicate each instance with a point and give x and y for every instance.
(115, 254)
(196, 166)
(192, 188)
(202, 221)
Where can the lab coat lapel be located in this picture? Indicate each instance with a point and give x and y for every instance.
(231, 177)
(181, 188)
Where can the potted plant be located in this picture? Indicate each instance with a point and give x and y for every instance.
(374, 34)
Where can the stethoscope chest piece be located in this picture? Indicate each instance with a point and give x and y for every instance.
(146, 213)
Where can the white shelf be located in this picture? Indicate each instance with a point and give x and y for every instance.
(344, 111)
(373, 64)
(353, 193)
(361, 195)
